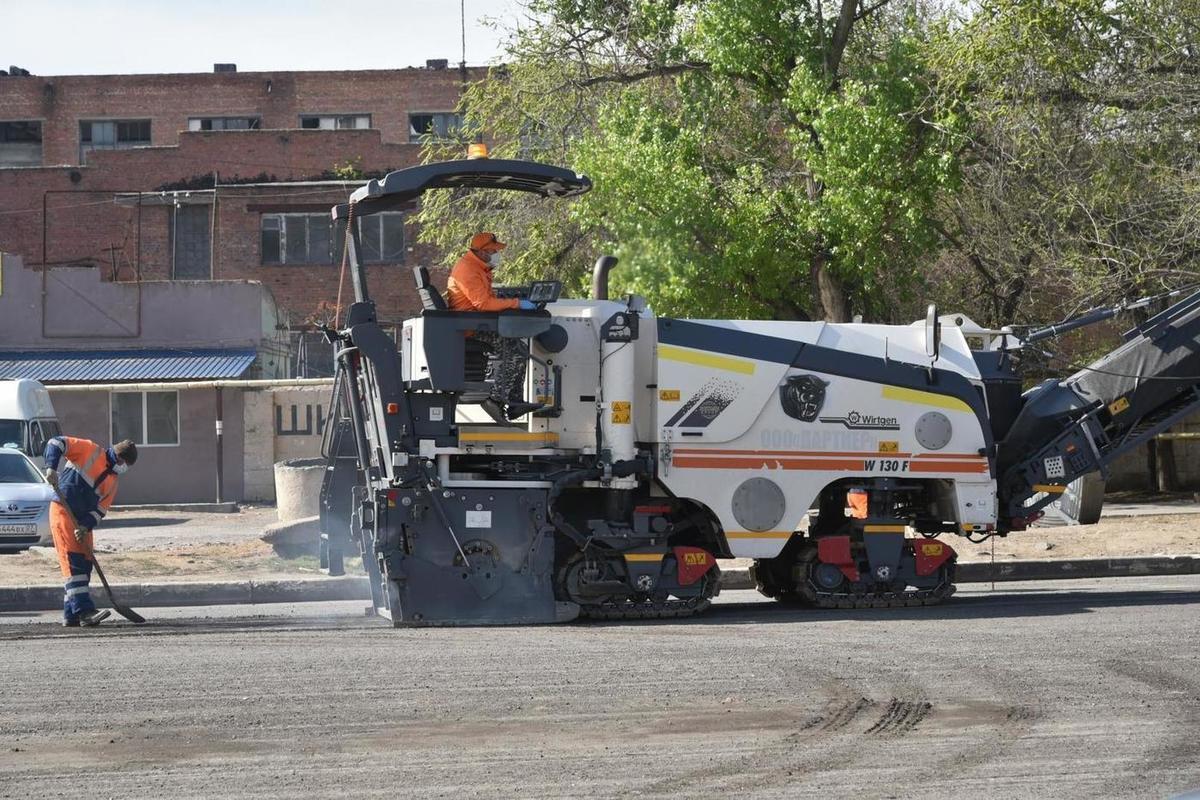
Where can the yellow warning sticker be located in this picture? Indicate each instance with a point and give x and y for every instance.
(1118, 405)
(668, 395)
(621, 412)
(889, 447)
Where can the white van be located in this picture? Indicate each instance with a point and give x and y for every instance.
(27, 417)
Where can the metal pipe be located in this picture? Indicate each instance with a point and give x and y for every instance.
(45, 226)
(212, 233)
(281, 383)
(220, 444)
(604, 265)
(354, 400)
(358, 272)
(1090, 318)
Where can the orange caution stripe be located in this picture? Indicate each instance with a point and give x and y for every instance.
(946, 466)
(699, 462)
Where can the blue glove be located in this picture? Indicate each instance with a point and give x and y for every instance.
(526, 305)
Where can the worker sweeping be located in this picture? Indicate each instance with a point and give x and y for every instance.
(88, 486)
(470, 289)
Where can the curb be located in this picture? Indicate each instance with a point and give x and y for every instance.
(313, 590)
(195, 593)
(985, 572)
(207, 508)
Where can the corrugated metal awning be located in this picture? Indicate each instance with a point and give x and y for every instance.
(89, 366)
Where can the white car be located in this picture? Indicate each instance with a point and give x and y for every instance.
(24, 503)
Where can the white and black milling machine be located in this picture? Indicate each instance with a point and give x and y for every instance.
(661, 445)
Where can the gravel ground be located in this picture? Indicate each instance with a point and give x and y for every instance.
(1069, 689)
(142, 530)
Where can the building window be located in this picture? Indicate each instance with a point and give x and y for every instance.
(21, 144)
(112, 134)
(380, 238)
(438, 125)
(310, 239)
(224, 123)
(330, 122)
(296, 239)
(148, 418)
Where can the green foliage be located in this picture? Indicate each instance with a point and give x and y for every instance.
(732, 160)
(1080, 174)
(349, 170)
(1016, 159)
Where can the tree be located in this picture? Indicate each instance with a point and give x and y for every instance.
(1080, 167)
(751, 157)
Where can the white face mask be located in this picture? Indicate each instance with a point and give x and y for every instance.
(120, 468)
(495, 258)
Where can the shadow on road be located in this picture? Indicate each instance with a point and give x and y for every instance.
(991, 606)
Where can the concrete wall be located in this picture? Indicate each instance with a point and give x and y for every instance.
(280, 424)
(185, 473)
(82, 310)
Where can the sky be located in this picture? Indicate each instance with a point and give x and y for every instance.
(73, 37)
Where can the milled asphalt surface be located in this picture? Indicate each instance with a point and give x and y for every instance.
(1070, 689)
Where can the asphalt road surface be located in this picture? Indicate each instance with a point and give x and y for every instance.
(1080, 689)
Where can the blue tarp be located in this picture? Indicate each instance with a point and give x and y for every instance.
(103, 366)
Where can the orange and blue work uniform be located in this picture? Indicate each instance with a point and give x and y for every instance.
(470, 289)
(88, 485)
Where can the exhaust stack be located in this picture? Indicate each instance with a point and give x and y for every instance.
(604, 265)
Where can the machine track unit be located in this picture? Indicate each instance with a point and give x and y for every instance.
(838, 456)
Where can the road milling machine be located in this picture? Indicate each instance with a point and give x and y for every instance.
(838, 456)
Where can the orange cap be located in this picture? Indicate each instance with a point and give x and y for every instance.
(486, 241)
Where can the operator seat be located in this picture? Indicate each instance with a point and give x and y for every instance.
(431, 298)
(475, 364)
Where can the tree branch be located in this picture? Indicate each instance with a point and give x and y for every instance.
(653, 72)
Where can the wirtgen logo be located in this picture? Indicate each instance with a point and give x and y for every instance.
(857, 421)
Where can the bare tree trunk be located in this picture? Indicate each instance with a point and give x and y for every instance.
(835, 306)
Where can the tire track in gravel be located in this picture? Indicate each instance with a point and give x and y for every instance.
(821, 729)
(833, 736)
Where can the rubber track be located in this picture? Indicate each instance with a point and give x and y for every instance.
(667, 609)
(905, 599)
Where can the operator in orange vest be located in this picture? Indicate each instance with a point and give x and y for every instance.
(470, 289)
(88, 485)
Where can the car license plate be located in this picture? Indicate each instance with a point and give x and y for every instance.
(15, 529)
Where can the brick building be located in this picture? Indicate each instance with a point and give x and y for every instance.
(228, 175)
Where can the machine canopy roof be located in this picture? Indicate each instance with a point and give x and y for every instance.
(400, 187)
